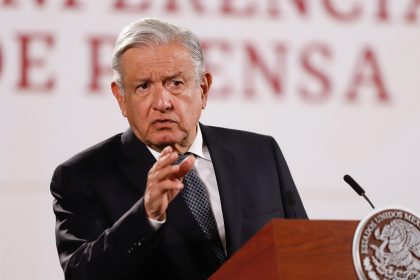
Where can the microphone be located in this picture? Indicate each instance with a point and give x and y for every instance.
(357, 188)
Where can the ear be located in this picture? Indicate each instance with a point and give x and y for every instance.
(205, 85)
(116, 91)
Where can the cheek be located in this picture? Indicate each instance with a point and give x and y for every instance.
(190, 110)
(137, 110)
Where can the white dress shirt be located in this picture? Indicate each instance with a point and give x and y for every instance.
(205, 171)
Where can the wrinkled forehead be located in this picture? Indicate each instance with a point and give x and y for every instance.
(172, 49)
(162, 60)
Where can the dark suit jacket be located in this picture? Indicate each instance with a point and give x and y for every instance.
(102, 231)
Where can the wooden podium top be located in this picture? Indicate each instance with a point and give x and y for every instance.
(295, 249)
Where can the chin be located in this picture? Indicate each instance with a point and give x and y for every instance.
(166, 140)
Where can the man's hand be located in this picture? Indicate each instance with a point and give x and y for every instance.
(164, 182)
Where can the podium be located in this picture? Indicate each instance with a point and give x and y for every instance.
(295, 249)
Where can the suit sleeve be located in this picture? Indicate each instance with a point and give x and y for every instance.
(89, 247)
(292, 203)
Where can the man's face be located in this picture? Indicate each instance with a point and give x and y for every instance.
(163, 99)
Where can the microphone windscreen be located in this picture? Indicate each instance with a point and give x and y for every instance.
(353, 184)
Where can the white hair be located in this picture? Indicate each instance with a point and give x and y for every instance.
(153, 33)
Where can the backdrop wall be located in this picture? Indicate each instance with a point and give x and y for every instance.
(336, 83)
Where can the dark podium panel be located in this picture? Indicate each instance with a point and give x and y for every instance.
(295, 249)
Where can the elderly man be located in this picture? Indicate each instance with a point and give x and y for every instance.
(170, 198)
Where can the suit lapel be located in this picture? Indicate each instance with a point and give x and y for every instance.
(136, 161)
(225, 166)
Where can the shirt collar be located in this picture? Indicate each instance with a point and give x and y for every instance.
(197, 148)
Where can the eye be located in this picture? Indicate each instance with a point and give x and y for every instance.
(142, 86)
(175, 86)
(177, 83)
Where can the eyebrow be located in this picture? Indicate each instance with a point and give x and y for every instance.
(147, 78)
(174, 75)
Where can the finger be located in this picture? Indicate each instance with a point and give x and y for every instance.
(185, 166)
(168, 172)
(164, 186)
(166, 159)
(167, 150)
(172, 194)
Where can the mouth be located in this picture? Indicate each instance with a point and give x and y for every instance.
(163, 123)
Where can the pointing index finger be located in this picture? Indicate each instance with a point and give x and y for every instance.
(166, 158)
(185, 166)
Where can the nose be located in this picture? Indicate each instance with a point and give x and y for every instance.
(162, 99)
